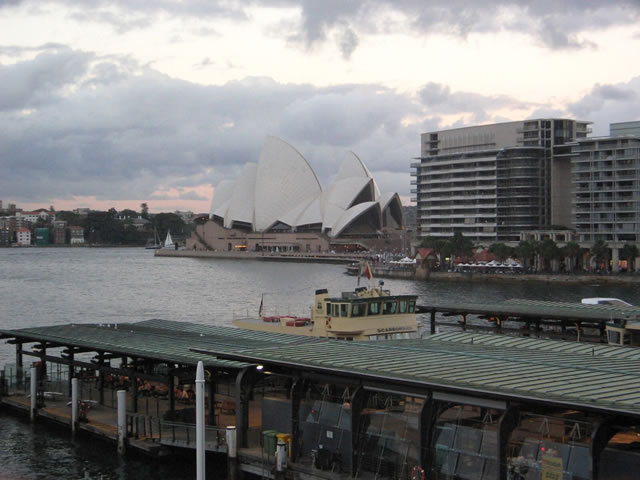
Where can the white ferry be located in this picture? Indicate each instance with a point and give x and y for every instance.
(619, 331)
(365, 314)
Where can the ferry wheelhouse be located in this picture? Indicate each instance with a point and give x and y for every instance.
(364, 314)
(620, 331)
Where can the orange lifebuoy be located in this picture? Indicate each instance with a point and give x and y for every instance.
(417, 473)
(328, 322)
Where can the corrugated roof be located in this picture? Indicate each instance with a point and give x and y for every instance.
(576, 375)
(542, 309)
(163, 340)
(572, 377)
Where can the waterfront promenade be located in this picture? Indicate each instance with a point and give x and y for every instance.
(387, 270)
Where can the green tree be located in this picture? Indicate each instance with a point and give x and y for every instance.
(600, 253)
(573, 251)
(169, 222)
(441, 246)
(69, 217)
(144, 210)
(630, 252)
(525, 251)
(461, 246)
(549, 251)
(501, 251)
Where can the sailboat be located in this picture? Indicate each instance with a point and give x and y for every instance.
(157, 243)
(168, 242)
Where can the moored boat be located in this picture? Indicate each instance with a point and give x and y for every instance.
(364, 314)
(622, 332)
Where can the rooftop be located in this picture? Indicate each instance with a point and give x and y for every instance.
(553, 373)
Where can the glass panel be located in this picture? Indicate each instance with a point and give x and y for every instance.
(402, 306)
(358, 309)
(344, 309)
(374, 308)
(389, 308)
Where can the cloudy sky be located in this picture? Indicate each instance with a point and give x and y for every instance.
(114, 103)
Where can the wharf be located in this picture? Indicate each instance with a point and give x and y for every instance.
(334, 258)
(560, 320)
(440, 405)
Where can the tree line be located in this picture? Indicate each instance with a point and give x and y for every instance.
(533, 254)
(106, 228)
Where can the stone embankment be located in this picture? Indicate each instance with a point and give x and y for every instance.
(384, 270)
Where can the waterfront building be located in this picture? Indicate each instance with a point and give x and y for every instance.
(76, 235)
(41, 236)
(279, 199)
(40, 214)
(23, 236)
(5, 236)
(491, 182)
(606, 179)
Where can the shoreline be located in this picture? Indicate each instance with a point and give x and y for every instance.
(384, 270)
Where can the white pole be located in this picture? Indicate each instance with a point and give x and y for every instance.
(281, 453)
(122, 420)
(34, 388)
(200, 458)
(231, 442)
(74, 404)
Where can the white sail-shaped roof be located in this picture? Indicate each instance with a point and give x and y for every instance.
(351, 215)
(352, 166)
(285, 180)
(242, 198)
(283, 189)
(221, 198)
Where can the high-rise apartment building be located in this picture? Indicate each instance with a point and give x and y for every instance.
(606, 182)
(491, 182)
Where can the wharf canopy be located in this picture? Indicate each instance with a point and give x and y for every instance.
(281, 194)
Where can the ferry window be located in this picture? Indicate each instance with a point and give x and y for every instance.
(614, 337)
(389, 308)
(402, 306)
(412, 307)
(358, 309)
(374, 308)
(328, 308)
(344, 309)
(336, 310)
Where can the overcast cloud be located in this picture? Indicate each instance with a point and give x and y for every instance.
(78, 122)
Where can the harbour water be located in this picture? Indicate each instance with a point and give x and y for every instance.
(48, 286)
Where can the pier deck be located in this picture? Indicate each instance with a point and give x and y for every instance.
(362, 409)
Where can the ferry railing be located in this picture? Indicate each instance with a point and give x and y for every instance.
(174, 434)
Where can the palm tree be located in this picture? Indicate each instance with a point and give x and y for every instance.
(549, 251)
(501, 251)
(525, 250)
(572, 250)
(630, 252)
(600, 252)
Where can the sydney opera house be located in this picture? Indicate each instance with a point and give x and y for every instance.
(278, 204)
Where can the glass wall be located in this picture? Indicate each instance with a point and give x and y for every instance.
(543, 446)
(465, 443)
(388, 441)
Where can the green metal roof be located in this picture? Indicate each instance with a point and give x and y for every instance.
(575, 375)
(162, 340)
(570, 377)
(541, 309)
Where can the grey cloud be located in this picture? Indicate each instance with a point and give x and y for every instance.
(348, 43)
(440, 98)
(27, 84)
(108, 128)
(556, 24)
(605, 104)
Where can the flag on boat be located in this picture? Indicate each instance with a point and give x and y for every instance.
(367, 271)
(260, 308)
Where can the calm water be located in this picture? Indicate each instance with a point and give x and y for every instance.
(85, 285)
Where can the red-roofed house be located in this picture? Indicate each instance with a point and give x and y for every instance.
(23, 236)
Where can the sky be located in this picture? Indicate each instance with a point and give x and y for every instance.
(114, 103)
